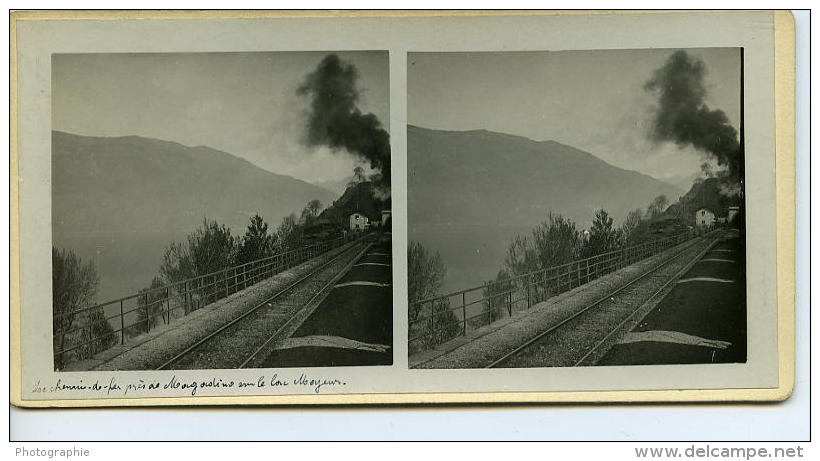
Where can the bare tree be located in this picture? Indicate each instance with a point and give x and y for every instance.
(314, 206)
(176, 264)
(73, 286)
(521, 257)
(657, 207)
(425, 273)
(209, 249)
(287, 234)
(633, 227)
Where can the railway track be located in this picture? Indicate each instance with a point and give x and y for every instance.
(241, 342)
(583, 337)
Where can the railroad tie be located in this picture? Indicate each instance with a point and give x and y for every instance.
(705, 279)
(362, 283)
(663, 336)
(329, 341)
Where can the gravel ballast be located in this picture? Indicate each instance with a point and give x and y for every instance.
(148, 351)
(485, 345)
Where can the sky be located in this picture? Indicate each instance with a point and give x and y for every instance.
(241, 103)
(591, 100)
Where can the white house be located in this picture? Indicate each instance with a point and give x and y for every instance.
(358, 222)
(704, 217)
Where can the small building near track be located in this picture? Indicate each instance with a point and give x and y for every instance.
(359, 222)
(733, 211)
(704, 217)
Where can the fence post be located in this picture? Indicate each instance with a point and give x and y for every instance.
(433, 322)
(546, 283)
(529, 299)
(168, 304)
(188, 298)
(464, 313)
(226, 282)
(147, 313)
(488, 288)
(509, 302)
(578, 272)
(90, 337)
(122, 324)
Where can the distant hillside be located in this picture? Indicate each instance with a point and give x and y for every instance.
(486, 178)
(135, 184)
(120, 201)
(469, 193)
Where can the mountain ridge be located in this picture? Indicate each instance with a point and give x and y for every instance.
(120, 201)
(470, 193)
(507, 164)
(92, 176)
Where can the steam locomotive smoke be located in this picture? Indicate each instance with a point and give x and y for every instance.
(683, 117)
(335, 120)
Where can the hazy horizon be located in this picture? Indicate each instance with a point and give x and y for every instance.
(242, 103)
(593, 100)
(318, 183)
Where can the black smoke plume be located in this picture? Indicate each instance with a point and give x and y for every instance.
(683, 117)
(335, 120)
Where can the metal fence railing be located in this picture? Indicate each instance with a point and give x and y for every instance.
(442, 318)
(82, 333)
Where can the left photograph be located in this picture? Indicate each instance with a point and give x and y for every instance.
(221, 210)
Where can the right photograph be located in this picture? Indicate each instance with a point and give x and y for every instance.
(576, 208)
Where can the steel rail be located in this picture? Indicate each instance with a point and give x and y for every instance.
(592, 305)
(663, 287)
(318, 297)
(264, 303)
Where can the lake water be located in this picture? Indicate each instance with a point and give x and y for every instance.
(125, 262)
(473, 254)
